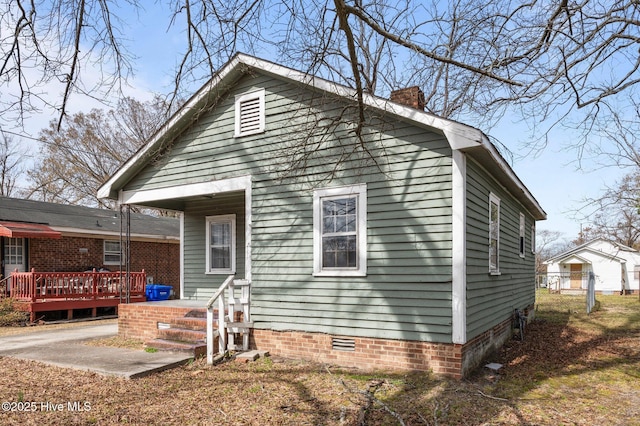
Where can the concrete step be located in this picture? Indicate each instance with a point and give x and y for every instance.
(250, 356)
(195, 349)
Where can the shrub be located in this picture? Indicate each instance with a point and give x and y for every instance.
(9, 315)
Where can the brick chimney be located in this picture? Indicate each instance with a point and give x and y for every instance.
(410, 96)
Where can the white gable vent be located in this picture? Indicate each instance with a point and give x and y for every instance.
(249, 113)
(341, 344)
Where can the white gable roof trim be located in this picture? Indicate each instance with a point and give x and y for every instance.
(588, 248)
(460, 136)
(574, 258)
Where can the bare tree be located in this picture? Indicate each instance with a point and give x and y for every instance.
(473, 57)
(89, 148)
(615, 214)
(11, 166)
(548, 244)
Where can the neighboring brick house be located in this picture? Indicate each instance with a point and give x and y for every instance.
(52, 237)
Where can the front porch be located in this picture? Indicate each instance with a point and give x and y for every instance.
(38, 292)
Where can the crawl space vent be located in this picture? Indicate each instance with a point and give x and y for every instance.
(339, 344)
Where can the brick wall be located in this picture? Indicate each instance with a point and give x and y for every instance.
(140, 320)
(410, 96)
(161, 260)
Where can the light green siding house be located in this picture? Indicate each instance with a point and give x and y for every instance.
(408, 246)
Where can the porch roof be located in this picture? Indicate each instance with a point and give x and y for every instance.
(27, 230)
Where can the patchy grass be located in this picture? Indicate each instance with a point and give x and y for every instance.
(118, 342)
(572, 368)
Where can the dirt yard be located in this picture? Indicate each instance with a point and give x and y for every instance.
(571, 369)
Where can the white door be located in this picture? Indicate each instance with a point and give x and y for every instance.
(13, 255)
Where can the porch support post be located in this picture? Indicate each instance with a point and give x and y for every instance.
(247, 229)
(181, 216)
(459, 249)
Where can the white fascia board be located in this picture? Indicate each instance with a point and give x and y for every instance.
(86, 233)
(183, 191)
(500, 161)
(105, 190)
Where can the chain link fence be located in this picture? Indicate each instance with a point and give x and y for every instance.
(566, 292)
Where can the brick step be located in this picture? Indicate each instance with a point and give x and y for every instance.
(190, 323)
(198, 313)
(197, 349)
(183, 335)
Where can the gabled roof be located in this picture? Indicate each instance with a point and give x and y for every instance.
(85, 220)
(589, 247)
(572, 257)
(460, 136)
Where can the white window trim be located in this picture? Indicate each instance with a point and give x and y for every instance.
(104, 253)
(493, 199)
(259, 95)
(521, 238)
(361, 237)
(220, 219)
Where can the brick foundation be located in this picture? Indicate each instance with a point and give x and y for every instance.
(444, 359)
(369, 353)
(140, 321)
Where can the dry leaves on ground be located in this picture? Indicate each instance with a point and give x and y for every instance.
(565, 372)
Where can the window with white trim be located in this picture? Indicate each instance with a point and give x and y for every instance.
(111, 252)
(494, 234)
(221, 244)
(533, 238)
(340, 231)
(249, 113)
(13, 251)
(521, 239)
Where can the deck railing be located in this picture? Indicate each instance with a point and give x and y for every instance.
(33, 286)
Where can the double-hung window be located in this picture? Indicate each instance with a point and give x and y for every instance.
(221, 244)
(111, 252)
(494, 234)
(340, 231)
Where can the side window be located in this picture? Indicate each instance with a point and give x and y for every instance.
(533, 238)
(221, 244)
(340, 231)
(111, 252)
(249, 113)
(494, 234)
(522, 225)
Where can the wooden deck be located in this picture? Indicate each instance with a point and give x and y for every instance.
(67, 291)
